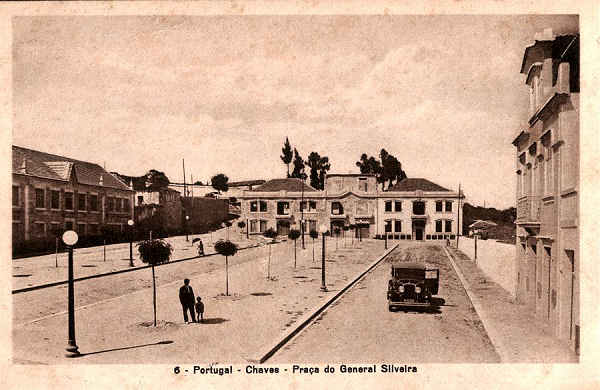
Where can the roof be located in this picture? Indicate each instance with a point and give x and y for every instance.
(481, 223)
(50, 166)
(350, 174)
(546, 46)
(416, 184)
(408, 264)
(246, 183)
(290, 184)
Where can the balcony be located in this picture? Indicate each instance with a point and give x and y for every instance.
(528, 211)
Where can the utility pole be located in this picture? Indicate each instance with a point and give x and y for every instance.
(302, 212)
(458, 229)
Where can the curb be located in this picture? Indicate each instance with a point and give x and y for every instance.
(494, 337)
(309, 318)
(61, 282)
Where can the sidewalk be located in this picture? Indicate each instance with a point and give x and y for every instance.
(520, 338)
(33, 271)
(236, 327)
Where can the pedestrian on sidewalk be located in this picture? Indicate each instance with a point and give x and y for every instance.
(200, 248)
(186, 297)
(200, 309)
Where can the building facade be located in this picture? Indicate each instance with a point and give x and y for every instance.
(413, 209)
(547, 190)
(52, 193)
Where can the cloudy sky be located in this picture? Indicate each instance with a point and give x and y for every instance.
(442, 93)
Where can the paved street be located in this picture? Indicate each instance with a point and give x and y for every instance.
(359, 327)
(114, 314)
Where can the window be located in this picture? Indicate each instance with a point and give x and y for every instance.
(419, 208)
(388, 206)
(448, 206)
(81, 202)
(362, 184)
(93, 229)
(448, 226)
(438, 226)
(388, 226)
(438, 206)
(263, 226)
(254, 206)
(54, 199)
(140, 199)
(68, 201)
(126, 205)
(312, 225)
(308, 205)
(55, 228)
(337, 208)
(110, 204)
(397, 226)
(263, 206)
(68, 225)
(39, 198)
(118, 205)
(283, 208)
(15, 195)
(397, 206)
(81, 229)
(39, 229)
(253, 226)
(94, 202)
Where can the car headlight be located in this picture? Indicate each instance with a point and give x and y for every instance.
(418, 290)
(401, 289)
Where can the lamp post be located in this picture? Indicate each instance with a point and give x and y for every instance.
(70, 238)
(187, 218)
(323, 230)
(130, 223)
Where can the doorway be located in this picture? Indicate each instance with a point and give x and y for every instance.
(418, 229)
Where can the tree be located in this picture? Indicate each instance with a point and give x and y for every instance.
(241, 225)
(198, 183)
(298, 171)
(270, 234)
(318, 168)
(219, 182)
(286, 155)
(156, 180)
(154, 252)
(313, 234)
(226, 248)
(294, 234)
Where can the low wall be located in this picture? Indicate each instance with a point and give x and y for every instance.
(496, 260)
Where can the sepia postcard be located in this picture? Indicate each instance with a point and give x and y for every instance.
(299, 194)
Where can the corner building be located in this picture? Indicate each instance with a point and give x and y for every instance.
(547, 190)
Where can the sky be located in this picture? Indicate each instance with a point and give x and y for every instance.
(441, 93)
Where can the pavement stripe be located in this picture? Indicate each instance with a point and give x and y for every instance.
(310, 317)
(493, 335)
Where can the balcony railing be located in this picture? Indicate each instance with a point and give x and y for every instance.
(528, 209)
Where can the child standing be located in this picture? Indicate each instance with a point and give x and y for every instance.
(200, 309)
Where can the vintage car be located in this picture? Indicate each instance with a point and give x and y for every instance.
(412, 285)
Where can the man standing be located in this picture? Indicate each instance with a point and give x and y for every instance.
(186, 297)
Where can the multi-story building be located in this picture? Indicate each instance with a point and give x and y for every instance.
(53, 193)
(547, 191)
(413, 209)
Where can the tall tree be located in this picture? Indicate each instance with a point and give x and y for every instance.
(286, 155)
(313, 163)
(324, 166)
(156, 180)
(219, 182)
(298, 171)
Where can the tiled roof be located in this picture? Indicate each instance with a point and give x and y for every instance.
(245, 183)
(415, 184)
(50, 166)
(290, 184)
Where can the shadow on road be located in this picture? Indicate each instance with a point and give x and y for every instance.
(124, 348)
(212, 321)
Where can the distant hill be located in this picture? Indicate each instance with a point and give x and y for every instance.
(503, 218)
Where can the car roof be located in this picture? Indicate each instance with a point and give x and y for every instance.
(408, 265)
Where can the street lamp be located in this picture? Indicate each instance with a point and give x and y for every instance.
(187, 218)
(323, 229)
(70, 238)
(130, 223)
